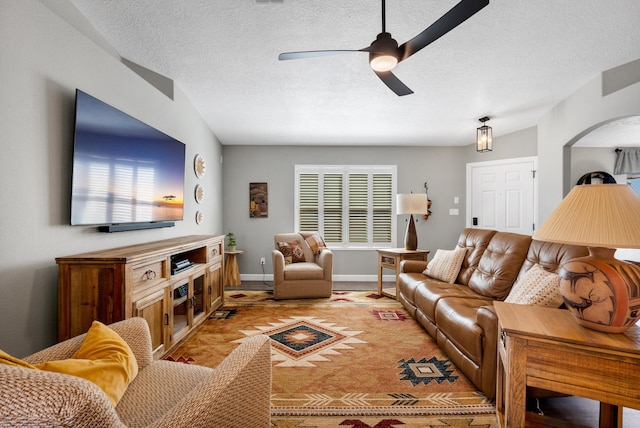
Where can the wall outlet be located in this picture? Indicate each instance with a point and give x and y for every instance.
(262, 260)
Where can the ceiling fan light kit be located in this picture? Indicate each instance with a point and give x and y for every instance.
(384, 52)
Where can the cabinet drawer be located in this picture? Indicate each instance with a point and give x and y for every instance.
(149, 273)
(389, 261)
(213, 251)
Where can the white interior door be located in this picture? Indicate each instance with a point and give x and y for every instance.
(502, 195)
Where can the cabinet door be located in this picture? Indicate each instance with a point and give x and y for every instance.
(153, 308)
(215, 290)
(181, 310)
(198, 297)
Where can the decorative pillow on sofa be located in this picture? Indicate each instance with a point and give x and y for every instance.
(292, 252)
(314, 241)
(446, 264)
(537, 287)
(104, 358)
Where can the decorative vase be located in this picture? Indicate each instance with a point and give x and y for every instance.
(603, 293)
(410, 236)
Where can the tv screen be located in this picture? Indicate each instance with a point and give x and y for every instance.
(124, 171)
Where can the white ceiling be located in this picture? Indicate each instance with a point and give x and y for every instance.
(512, 61)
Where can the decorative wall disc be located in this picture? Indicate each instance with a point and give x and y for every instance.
(199, 193)
(199, 217)
(199, 166)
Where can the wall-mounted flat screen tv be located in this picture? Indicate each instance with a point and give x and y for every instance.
(124, 171)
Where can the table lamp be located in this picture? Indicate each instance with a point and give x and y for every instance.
(411, 203)
(603, 293)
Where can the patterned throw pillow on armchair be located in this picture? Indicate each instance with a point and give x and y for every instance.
(292, 252)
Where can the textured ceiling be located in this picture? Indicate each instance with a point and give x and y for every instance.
(512, 61)
(623, 132)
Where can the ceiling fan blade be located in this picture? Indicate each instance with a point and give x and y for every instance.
(389, 79)
(447, 22)
(312, 54)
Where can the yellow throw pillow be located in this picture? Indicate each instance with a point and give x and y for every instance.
(13, 361)
(104, 358)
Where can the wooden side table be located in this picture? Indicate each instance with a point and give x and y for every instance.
(231, 270)
(547, 348)
(390, 258)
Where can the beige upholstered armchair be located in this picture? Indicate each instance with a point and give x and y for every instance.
(163, 394)
(307, 278)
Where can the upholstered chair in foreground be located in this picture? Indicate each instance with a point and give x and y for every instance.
(301, 270)
(163, 393)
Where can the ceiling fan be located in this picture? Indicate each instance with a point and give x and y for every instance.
(384, 52)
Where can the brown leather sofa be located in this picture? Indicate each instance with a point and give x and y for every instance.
(460, 316)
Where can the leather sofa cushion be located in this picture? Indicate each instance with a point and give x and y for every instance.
(429, 293)
(500, 264)
(409, 282)
(476, 242)
(551, 256)
(458, 314)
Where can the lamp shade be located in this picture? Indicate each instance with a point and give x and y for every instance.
(412, 203)
(601, 292)
(595, 215)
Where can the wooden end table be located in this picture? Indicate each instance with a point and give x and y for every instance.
(390, 258)
(231, 270)
(547, 348)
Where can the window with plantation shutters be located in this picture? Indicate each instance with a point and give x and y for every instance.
(351, 206)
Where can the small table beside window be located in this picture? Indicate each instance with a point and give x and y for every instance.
(390, 258)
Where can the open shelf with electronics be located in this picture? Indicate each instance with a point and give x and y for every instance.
(174, 284)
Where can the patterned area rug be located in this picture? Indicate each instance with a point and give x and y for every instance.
(355, 359)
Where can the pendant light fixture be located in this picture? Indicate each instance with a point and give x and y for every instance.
(484, 136)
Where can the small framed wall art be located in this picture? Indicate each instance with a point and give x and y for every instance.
(258, 200)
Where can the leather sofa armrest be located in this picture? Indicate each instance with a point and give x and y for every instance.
(416, 266)
(488, 320)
